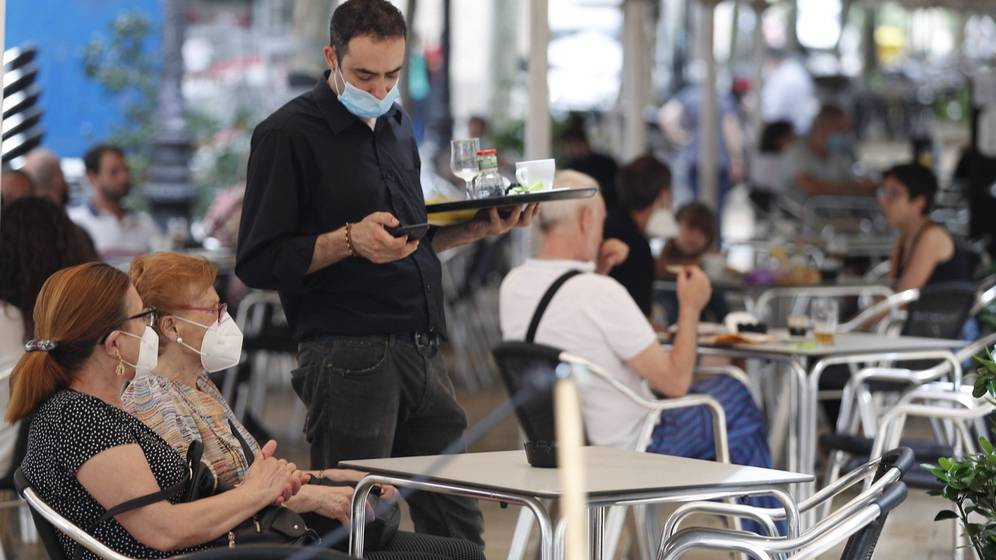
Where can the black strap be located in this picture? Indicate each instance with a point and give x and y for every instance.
(131, 504)
(246, 448)
(545, 301)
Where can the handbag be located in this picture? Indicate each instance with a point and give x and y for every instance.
(270, 525)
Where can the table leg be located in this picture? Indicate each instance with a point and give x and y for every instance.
(362, 491)
(596, 522)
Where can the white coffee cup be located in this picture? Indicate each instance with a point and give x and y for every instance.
(529, 172)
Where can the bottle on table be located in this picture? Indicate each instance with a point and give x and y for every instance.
(488, 182)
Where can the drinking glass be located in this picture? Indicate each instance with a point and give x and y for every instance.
(463, 161)
(824, 311)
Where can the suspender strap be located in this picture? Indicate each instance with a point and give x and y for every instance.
(545, 301)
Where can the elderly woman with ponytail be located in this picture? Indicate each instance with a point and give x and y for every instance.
(179, 401)
(85, 454)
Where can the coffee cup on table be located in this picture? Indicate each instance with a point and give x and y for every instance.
(535, 175)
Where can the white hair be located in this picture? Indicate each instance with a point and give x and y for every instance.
(553, 213)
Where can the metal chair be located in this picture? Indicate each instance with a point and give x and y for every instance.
(860, 520)
(528, 371)
(48, 521)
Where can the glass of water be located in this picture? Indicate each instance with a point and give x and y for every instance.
(463, 161)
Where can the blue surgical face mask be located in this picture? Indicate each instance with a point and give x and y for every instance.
(361, 103)
(837, 143)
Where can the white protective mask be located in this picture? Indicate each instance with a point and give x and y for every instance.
(221, 347)
(148, 351)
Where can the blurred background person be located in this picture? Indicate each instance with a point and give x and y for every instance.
(767, 170)
(644, 187)
(15, 184)
(925, 254)
(680, 118)
(36, 239)
(117, 231)
(580, 156)
(45, 170)
(823, 163)
(695, 241)
(788, 92)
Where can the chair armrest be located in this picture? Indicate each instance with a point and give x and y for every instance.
(761, 515)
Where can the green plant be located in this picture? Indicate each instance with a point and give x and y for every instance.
(970, 482)
(124, 67)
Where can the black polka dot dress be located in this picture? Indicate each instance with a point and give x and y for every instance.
(69, 429)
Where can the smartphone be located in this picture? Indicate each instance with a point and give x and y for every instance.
(413, 231)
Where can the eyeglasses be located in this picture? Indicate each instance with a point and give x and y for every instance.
(219, 308)
(888, 194)
(148, 315)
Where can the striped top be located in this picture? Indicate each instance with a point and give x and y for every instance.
(181, 413)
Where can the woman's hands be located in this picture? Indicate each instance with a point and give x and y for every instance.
(274, 479)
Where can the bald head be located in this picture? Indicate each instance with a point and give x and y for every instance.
(572, 229)
(45, 170)
(567, 211)
(15, 184)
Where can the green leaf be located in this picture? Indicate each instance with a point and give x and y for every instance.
(985, 445)
(945, 514)
(945, 463)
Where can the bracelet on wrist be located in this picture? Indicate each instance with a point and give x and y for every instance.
(349, 240)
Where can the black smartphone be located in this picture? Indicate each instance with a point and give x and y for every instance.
(413, 231)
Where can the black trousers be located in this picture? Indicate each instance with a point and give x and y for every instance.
(385, 396)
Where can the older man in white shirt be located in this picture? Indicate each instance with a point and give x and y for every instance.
(593, 316)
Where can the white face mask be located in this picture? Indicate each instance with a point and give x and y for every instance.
(221, 347)
(148, 351)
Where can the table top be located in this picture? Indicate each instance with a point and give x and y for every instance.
(609, 472)
(846, 343)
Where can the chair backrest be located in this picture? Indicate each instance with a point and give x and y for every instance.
(861, 545)
(940, 311)
(45, 529)
(529, 373)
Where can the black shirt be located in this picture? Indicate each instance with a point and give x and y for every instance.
(313, 166)
(636, 273)
(603, 169)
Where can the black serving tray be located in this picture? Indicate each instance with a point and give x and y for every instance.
(511, 200)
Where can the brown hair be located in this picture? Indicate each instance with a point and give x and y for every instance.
(37, 238)
(699, 217)
(167, 281)
(76, 307)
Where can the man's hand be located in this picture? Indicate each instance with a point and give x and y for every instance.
(490, 222)
(371, 240)
(612, 253)
(694, 289)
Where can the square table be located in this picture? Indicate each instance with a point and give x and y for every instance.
(806, 361)
(613, 477)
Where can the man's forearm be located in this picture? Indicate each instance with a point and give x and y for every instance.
(448, 237)
(330, 248)
(685, 346)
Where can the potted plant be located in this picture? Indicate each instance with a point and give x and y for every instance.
(970, 482)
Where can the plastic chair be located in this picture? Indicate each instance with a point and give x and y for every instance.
(860, 520)
(529, 372)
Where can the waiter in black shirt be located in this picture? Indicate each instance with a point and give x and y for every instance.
(328, 173)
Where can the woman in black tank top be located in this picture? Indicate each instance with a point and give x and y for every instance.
(925, 253)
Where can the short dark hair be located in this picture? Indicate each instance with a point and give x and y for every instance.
(641, 182)
(918, 180)
(699, 217)
(377, 18)
(92, 157)
(574, 134)
(772, 134)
